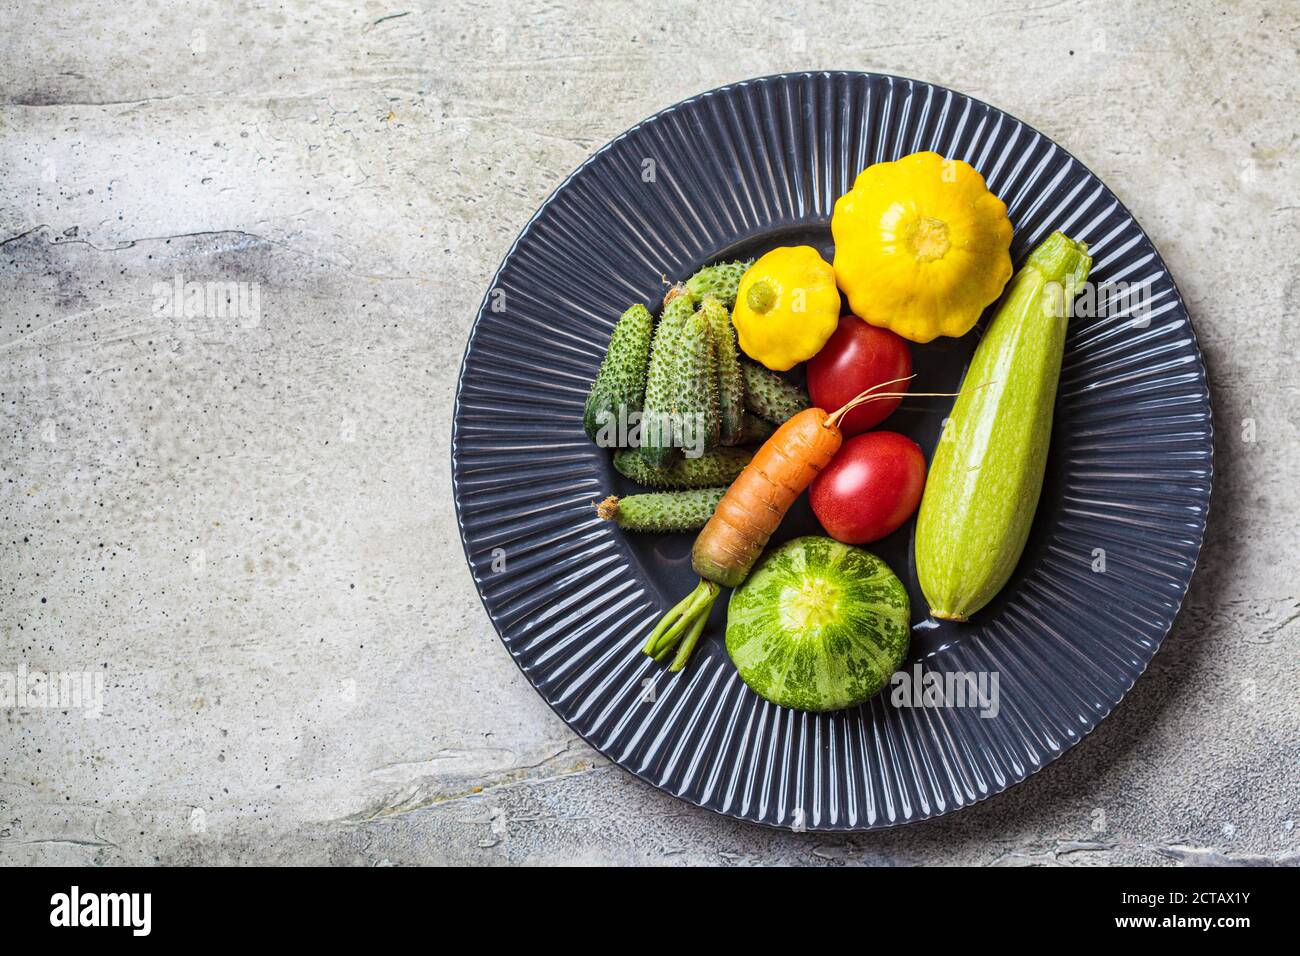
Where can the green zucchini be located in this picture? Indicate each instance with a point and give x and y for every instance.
(717, 467)
(619, 388)
(987, 471)
(731, 381)
(720, 281)
(818, 625)
(656, 433)
(770, 396)
(662, 512)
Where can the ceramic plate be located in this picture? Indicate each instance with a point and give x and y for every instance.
(735, 172)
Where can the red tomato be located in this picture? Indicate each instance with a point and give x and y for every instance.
(856, 357)
(872, 485)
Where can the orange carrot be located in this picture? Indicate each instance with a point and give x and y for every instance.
(748, 515)
(758, 499)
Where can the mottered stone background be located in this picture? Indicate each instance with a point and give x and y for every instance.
(245, 526)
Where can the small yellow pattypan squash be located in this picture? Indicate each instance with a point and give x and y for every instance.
(921, 246)
(787, 306)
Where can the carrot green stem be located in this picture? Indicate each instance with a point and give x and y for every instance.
(673, 614)
(663, 655)
(688, 645)
(674, 634)
(686, 619)
(668, 640)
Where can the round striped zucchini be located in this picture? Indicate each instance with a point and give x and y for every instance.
(818, 625)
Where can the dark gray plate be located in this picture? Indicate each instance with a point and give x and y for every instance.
(737, 171)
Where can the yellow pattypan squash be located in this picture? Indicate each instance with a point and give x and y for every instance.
(921, 246)
(787, 306)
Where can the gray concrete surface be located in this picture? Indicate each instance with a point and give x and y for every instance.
(244, 525)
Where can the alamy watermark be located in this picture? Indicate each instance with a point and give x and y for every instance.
(626, 428)
(75, 908)
(208, 299)
(1099, 300)
(974, 689)
(52, 690)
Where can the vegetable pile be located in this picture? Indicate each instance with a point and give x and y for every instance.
(694, 407)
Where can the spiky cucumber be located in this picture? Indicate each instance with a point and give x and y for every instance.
(731, 381)
(619, 388)
(697, 410)
(754, 430)
(720, 280)
(770, 396)
(662, 512)
(656, 434)
(717, 467)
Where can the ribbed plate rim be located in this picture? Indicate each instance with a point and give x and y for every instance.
(1109, 705)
